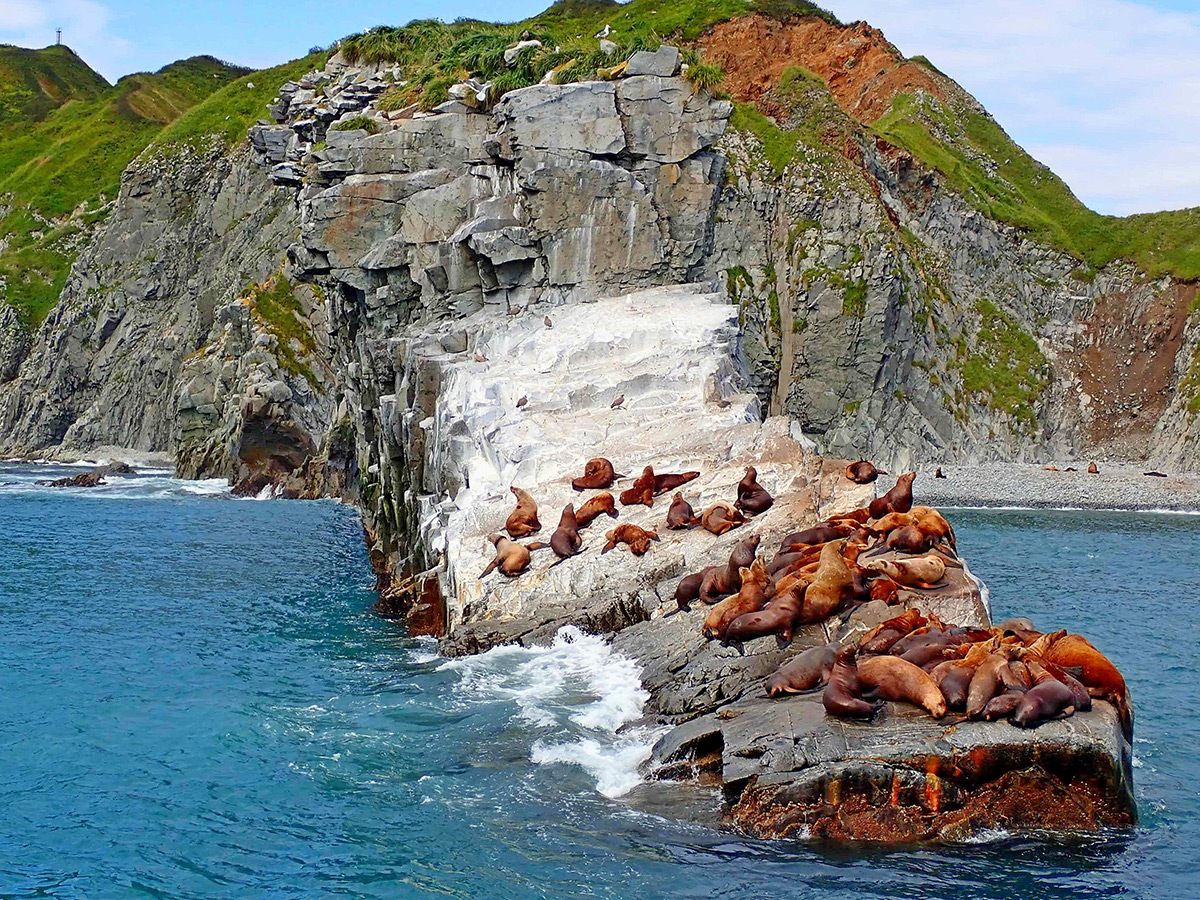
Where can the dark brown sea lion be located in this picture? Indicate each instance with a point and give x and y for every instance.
(681, 515)
(898, 499)
(598, 473)
(566, 540)
(664, 483)
(756, 589)
(909, 539)
(883, 588)
(831, 586)
(862, 472)
(1001, 706)
(985, 683)
(688, 589)
(938, 473)
(752, 497)
(777, 617)
(881, 638)
(523, 520)
(642, 491)
(843, 692)
(895, 679)
(954, 684)
(818, 534)
(721, 517)
(596, 506)
(804, 672)
(511, 558)
(1043, 702)
(636, 537)
(720, 581)
(784, 561)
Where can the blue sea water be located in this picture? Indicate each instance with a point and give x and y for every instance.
(196, 702)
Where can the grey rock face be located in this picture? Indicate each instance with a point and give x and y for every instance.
(663, 62)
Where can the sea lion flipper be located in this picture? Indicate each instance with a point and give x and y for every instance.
(495, 562)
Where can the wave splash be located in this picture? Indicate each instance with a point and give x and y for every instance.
(580, 694)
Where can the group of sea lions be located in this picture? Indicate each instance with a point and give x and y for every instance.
(513, 558)
(1009, 671)
(819, 571)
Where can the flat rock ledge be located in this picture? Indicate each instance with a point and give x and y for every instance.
(785, 768)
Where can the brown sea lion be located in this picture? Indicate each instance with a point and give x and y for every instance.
(598, 473)
(894, 679)
(898, 499)
(909, 539)
(511, 558)
(1096, 672)
(1040, 645)
(681, 515)
(831, 586)
(843, 691)
(688, 590)
(918, 572)
(664, 483)
(783, 561)
(642, 491)
(890, 522)
(862, 472)
(721, 517)
(1001, 706)
(985, 683)
(1093, 469)
(523, 520)
(881, 637)
(635, 536)
(1017, 626)
(777, 617)
(804, 672)
(756, 589)
(954, 682)
(566, 540)
(723, 580)
(1043, 702)
(596, 506)
(883, 588)
(1040, 670)
(818, 534)
(938, 473)
(933, 522)
(752, 497)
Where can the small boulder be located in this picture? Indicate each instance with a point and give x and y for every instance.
(511, 54)
(663, 62)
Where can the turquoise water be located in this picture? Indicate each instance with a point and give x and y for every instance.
(195, 702)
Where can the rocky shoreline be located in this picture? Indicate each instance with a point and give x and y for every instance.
(1117, 486)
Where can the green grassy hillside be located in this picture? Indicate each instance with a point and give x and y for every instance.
(985, 165)
(74, 155)
(35, 82)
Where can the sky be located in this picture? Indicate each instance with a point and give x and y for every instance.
(1104, 92)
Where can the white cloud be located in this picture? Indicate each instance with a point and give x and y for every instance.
(1102, 91)
(85, 25)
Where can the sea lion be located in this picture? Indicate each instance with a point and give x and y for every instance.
(862, 472)
(890, 522)
(1096, 672)
(523, 520)
(635, 536)
(1093, 469)
(831, 586)
(598, 473)
(818, 534)
(883, 588)
(881, 638)
(511, 558)
(681, 515)
(1001, 706)
(898, 499)
(752, 497)
(756, 588)
(664, 483)
(566, 540)
(804, 672)
(688, 590)
(937, 473)
(1041, 670)
(919, 572)
(985, 683)
(721, 517)
(596, 506)
(723, 580)
(1042, 702)
(843, 691)
(909, 539)
(642, 491)
(777, 617)
(954, 683)
(895, 679)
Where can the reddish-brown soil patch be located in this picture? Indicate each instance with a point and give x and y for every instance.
(863, 70)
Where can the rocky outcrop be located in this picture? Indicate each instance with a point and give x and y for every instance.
(189, 229)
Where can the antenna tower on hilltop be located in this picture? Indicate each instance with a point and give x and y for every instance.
(57, 35)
